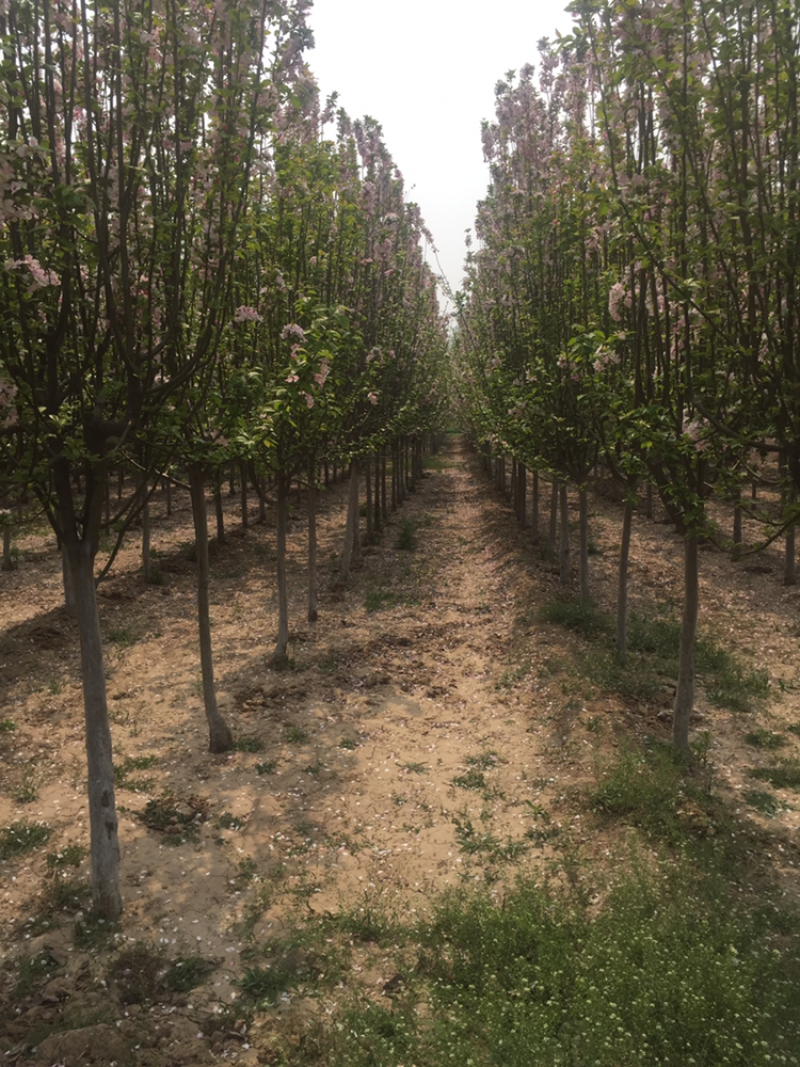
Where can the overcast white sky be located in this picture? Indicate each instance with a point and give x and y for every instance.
(426, 70)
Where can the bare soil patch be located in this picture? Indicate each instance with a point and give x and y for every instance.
(430, 731)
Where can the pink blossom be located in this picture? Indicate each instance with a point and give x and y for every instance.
(292, 378)
(324, 371)
(293, 330)
(372, 397)
(246, 314)
(40, 277)
(309, 400)
(616, 298)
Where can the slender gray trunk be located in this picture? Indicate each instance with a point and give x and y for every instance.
(684, 694)
(622, 582)
(69, 584)
(563, 556)
(146, 569)
(584, 548)
(351, 528)
(368, 498)
(789, 569)
(279, 655)
(219, 510)
(738, 537)
(552, 532)
(102, 806)
(9, 563)
(535, 507)
(219, 735)
(313, 578)
(243, 499)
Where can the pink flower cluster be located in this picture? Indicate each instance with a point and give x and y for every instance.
(246, 314)
(40, 276)
(293, 330)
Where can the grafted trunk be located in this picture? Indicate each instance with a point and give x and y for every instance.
(219, 735)
(313, 578)
(106, 897)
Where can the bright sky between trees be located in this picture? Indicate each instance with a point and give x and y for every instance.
(426, 70)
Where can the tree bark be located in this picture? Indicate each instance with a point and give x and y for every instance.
(106, 897)
(9, 563)
(552, 531)
(684, 694)
(279, 657)
(219, 735)
(351, 527)
(368, 498)
(622, 582)
(585, 595)
(313, 578)
(738, 538)
(535, 507)
(146, 569)
(219, 511)
(69, 583)
(563, 555)
(243, 499)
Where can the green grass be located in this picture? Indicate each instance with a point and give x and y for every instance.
(7, 726)
(379, 599)
(123, 770)
(296, 735)
(472, 779)
(187, 972)
(22, 837)
(268, 767)
(766, 803)
(248, 743)
(765, 739)
(786, 775)
(652, 657)
(69, 856)
(670, 970)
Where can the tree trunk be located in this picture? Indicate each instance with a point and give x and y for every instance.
(384, 503)
(219, 511)
(146, 569)
(106, 897)
(789, 569)
(535, 507)
(622, 582)
(351, 528)
(69, 583)
(738, 538)
(313, 579)
(9, 563)
(368, 496)
(219, 735)
(586, 598)
(243, 499)
(395, 494)
(552, 531)
(684, 694)
(563, 555)
(279, 657)
(522, 492)
(168, 487)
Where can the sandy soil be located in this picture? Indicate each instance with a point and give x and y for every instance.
(359, 786)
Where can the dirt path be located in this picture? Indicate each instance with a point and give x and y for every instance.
(431, 731)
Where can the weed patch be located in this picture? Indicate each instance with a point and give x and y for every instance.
(21, 837)
(765, 739)
(122, 772)
(248, 743)
(177, 820)
(786, 775)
